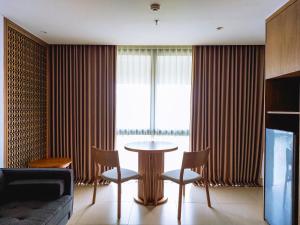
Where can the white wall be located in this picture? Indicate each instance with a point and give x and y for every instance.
(1, 91)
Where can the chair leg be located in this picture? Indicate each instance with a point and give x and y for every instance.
(179, 202)
(207, 194)
(119, 200)
(95, 190)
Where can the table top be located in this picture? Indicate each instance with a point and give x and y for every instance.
(50, 163)
(151, 146)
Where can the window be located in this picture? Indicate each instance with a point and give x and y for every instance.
(153, 94)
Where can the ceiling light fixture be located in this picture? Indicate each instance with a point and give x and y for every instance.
(155, 7)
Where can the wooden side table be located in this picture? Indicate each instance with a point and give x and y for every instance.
(50, 163)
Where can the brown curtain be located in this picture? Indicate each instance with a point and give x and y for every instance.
(82, 104)
(227, 111)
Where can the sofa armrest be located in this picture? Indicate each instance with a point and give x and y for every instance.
(25, 174)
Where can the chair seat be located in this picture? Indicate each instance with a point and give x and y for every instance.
(188, 176)
(126, 174)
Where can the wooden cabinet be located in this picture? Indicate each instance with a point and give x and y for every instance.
(283, 41)
(282, 94)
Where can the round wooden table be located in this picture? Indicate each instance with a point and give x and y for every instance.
(151, 165)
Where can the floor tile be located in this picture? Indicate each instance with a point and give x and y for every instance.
(243, 214)
(198, 213)
(161, 214)
(104, 213)
(234, 194)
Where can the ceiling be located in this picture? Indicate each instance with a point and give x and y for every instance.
(131, 22)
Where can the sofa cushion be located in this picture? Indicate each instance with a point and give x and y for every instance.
(35, 189)
(35, 212)
(41, 173)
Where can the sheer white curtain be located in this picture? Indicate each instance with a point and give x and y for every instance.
(173, 86)
(153, 97)
(134, 68)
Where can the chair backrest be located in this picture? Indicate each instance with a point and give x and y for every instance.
(195, 159)
(105, 158)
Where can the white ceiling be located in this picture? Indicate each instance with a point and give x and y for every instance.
(130, 22)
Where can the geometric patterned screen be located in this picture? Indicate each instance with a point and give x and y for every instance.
(26, 99)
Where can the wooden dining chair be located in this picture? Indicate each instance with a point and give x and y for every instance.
(117, 175)
(183, 176)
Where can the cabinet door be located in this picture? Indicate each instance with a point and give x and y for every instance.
(290, 39)
(298, 34)
(283, 42)
(273, 47)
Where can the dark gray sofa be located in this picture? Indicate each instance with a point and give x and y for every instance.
(36, 196)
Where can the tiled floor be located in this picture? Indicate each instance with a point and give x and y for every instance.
(231, 206)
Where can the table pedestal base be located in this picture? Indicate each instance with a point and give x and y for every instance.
(141, 201)
(151, 166)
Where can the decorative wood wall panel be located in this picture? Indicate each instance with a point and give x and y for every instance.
(26, 116)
